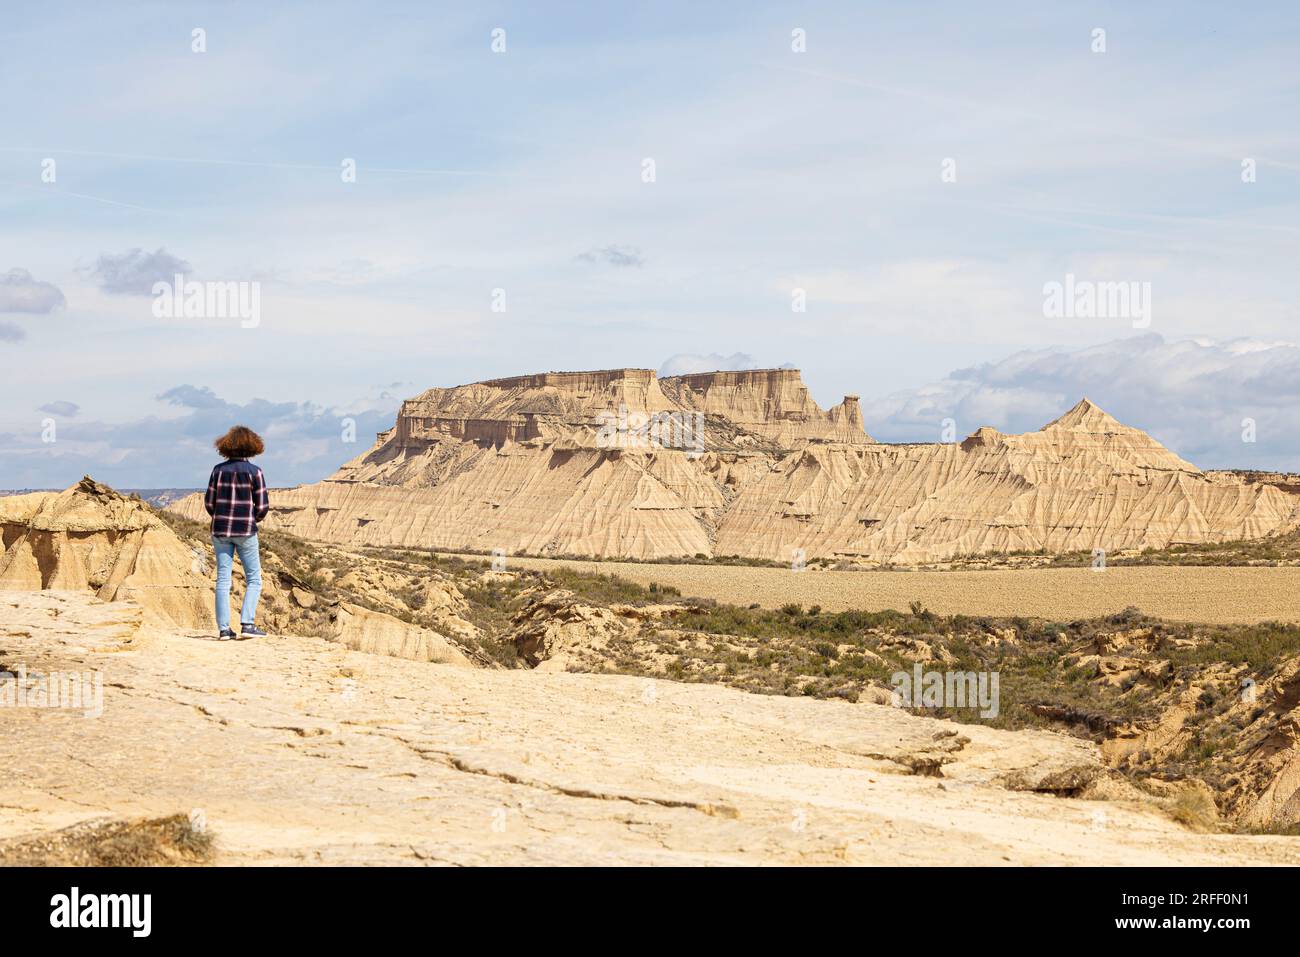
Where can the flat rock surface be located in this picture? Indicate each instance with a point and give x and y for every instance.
(298, 750)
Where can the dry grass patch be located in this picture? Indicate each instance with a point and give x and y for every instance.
(153, 842)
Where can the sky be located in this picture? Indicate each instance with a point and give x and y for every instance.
(880, 195)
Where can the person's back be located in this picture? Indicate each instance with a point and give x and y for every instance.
(237, 500)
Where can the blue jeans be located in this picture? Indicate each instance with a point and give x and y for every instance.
(252, 562)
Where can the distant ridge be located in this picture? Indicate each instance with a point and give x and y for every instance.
(622, 463)
(157, 497)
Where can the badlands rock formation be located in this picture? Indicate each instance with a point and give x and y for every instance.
(623, 464)
(91, 538)
(403, 745)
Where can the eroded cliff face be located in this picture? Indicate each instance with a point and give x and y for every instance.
(773, 403)
(516, 409)
(91, 538)
(618, 463)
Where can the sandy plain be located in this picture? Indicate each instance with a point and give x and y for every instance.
(1209, 595)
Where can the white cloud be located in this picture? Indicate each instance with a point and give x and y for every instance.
(134, 272)
(20, 291)
(622, 256)
(304, 441)
(1193, 395)
(61, 407)
(685, 363)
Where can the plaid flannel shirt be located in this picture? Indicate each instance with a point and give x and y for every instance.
(236, 499)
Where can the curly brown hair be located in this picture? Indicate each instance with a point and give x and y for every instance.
(240, 442)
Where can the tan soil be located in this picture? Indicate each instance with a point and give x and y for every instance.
(1210, 595)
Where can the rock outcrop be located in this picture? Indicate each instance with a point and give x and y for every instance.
(379, 634)
(92, 538)
(773, 403)
(619, 463)
(554, 632)
(89, 537)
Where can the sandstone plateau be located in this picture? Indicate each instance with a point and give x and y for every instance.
(623, 464)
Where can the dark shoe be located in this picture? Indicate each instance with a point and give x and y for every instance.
(251, 631)
(226, 635)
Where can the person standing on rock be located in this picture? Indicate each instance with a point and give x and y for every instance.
(237, 500)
